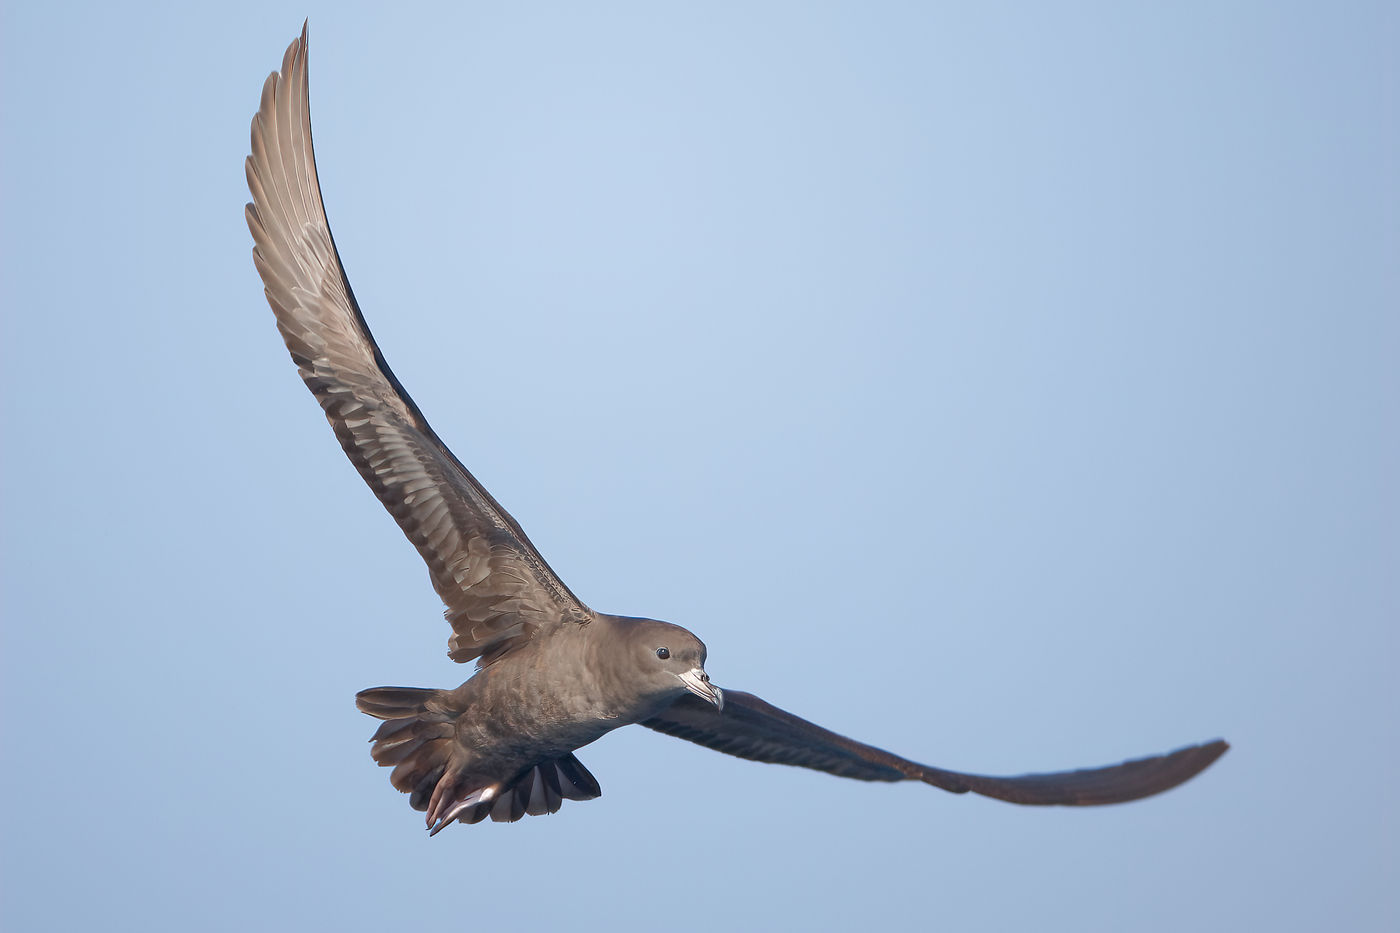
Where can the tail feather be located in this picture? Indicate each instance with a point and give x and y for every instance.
(537, 790)
(417, 739)
(394, 702)
(394, 740)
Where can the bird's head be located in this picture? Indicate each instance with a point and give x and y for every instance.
(669, 660)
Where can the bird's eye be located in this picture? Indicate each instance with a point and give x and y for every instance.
(663, 653)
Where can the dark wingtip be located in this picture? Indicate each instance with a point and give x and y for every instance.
(1131, 780)
(1209, 753)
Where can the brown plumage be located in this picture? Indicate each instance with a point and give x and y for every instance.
(553, 675)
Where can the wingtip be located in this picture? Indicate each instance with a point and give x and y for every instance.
(1121, 783)
(1193, 760)
(1215, 748)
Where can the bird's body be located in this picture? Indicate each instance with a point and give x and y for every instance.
(553, 674)
(577, 686)
(577, 693)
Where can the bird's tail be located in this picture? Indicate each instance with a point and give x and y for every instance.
(417, 740)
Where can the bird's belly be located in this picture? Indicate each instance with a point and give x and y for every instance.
(518, 721)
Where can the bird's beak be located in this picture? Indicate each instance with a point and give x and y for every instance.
(698, 683)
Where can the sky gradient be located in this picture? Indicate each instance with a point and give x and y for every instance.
(1015, 389)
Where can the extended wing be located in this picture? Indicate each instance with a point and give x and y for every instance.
(750, 728)
(496, 586)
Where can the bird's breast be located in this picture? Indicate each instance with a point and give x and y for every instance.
(537, 706)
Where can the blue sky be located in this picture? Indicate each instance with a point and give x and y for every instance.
(1015, 388)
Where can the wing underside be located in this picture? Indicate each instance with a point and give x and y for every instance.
(751, 728)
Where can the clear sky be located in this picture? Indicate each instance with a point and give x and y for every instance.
(1014, 386)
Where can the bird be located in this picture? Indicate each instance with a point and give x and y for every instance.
(552, 675)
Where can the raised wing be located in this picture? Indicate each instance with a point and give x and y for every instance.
(750, 728)
(497, 588)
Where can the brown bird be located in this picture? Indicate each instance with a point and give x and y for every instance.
(552, 674)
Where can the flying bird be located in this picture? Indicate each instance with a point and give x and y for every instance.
(552, 675)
